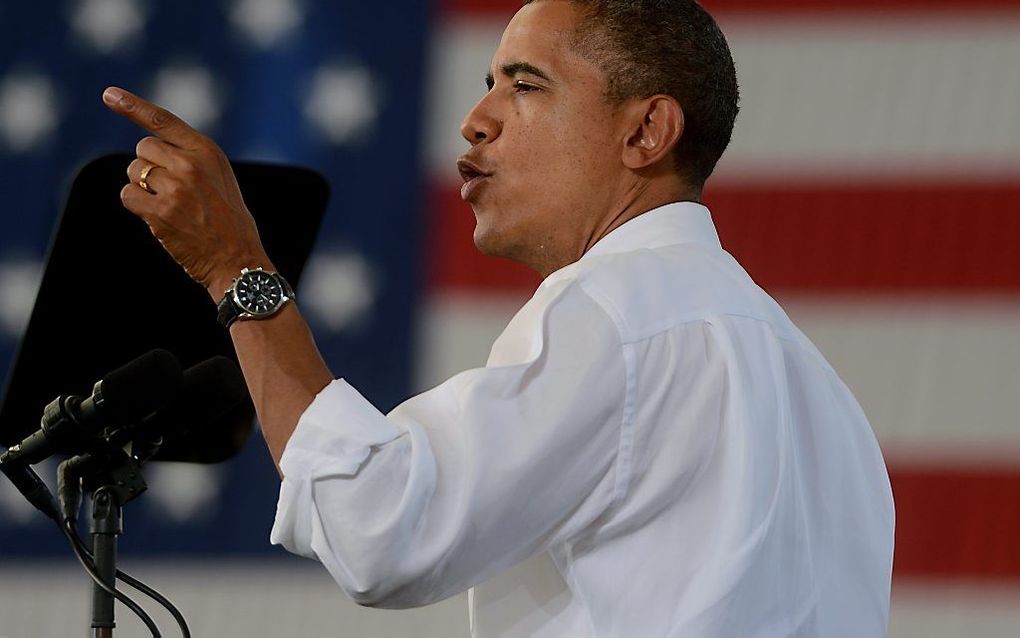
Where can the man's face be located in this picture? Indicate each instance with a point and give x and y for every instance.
(545, 142)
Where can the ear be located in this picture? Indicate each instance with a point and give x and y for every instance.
(654, 127)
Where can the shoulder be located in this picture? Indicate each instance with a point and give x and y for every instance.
(647, 291)
(561, 314)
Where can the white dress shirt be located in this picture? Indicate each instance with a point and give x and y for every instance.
(653, 449)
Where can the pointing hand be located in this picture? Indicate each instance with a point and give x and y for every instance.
(191, 200)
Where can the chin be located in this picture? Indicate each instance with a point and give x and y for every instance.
(501, 233)
(487, 242)
(497, 241)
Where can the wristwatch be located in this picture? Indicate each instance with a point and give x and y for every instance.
(255, 294)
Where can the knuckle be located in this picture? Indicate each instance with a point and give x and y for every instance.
(208, 150)
(189, 168)
(160, 118)
(143, 145)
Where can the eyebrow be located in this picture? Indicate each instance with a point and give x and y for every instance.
(510, 69)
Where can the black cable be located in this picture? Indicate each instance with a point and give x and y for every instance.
(135, 583)
(70, 501)
(159, 598)
(90, 568)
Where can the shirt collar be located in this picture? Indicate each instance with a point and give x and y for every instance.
(676, 223)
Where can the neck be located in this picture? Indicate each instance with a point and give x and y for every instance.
(639, 201)
(638, 198)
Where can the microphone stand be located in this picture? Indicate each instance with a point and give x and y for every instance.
(114, 481)
(106, 525)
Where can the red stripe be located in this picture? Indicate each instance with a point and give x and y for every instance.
(506, 8)
(957, 524)
(952, 238)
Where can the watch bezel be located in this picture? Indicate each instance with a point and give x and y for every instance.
(243, 311)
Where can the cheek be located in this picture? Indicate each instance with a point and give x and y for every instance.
(558, 148)
(554, 160)
(576, 161)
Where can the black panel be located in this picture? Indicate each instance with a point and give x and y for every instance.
(110, 292)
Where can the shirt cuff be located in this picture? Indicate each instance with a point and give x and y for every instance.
(333, 438)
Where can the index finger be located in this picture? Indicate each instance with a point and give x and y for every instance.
(152, 118)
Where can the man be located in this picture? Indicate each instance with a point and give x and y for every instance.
(652, 449)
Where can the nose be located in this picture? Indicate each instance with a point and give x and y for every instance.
(481, 125)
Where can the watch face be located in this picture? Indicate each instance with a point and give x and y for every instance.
(258, 293)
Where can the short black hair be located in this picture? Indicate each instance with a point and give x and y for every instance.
(667, 47)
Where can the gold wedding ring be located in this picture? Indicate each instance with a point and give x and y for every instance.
(143, 178)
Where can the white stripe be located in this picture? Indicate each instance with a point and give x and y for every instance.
(937, 379)
(232, 599)
(930, 610)
(876, 99)
(459, 61)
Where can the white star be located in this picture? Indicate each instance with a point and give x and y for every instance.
(19, 282)
(28, 110)
(190, 92)
(183, 491)
(266, 22)
(338, 289)
(343, 102)
(107, 24)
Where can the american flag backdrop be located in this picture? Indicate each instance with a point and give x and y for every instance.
(873, 186)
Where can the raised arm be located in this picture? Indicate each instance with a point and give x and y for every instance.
(194, 208)
(456, 484)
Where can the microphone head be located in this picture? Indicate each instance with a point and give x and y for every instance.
(210, 419)
(138, 388)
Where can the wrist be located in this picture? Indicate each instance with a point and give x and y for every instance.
(257, 293)
(218, 286)
(224, 279)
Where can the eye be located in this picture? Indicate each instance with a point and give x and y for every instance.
(521, 86)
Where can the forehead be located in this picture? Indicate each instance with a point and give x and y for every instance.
(541, 34)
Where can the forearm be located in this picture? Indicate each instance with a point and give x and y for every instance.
(283, 369)
(193, 205)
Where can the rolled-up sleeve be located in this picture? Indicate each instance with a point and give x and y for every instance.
(471, 477)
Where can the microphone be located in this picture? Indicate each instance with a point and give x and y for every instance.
(127, 395)
(208, 422)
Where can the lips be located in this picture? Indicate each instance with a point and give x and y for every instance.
(474, 177)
